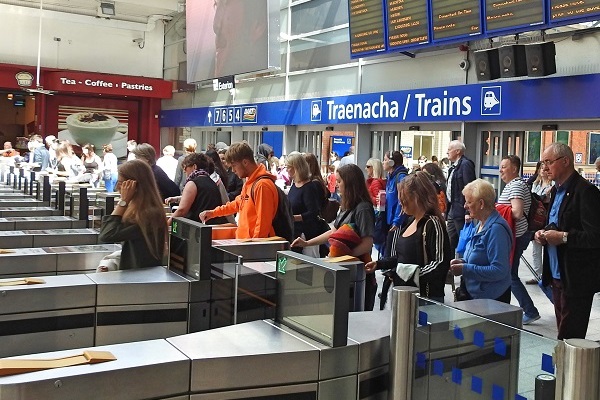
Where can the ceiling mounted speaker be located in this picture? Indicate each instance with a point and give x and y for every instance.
(541, 59)
(486, 65)
(512, 61)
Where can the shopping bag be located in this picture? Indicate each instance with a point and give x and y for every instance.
(464, 237)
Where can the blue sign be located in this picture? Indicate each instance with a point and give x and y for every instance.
(550, 99)
(341, 144)
(407, 151)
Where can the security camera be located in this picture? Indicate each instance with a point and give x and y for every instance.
(138, 40)
(464, 65)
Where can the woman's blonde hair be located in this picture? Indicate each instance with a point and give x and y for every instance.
(377, 166)
(145, 208)
(481, 189)
(190, 145)
(298, 162)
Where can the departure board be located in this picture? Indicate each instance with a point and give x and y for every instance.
(573, 9)
(455, 18)
(366, 26)
(408, 23)
(509, 14)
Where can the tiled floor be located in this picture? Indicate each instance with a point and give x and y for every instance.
(546, 325)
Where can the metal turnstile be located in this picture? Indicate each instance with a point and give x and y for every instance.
(438, 341)
(54, 315)
(140, 304)
(142, 370)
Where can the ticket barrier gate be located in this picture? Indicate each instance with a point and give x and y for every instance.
(259, 358)
(61, 260)
(48, 238)
(140, 304)
(42, 211)
(211, 272)
(49, 313)
(437, 340)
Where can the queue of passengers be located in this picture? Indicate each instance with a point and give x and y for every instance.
(417, 235)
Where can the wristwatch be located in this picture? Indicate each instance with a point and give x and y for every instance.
(564, 237)
(122, 203)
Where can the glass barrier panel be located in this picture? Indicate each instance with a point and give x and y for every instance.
(459, 355)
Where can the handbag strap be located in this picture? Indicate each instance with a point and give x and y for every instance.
(344, 215)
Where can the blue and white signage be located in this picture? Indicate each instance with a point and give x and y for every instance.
(491, 100)
(572, 97)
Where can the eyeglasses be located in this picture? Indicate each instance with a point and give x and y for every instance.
(550, 162)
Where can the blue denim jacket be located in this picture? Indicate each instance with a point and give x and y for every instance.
(486, 272)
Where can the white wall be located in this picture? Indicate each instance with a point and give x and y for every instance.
(86, 43)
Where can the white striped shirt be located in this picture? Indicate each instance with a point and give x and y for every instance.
(517, 189)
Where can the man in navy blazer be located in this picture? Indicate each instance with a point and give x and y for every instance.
(461, 172)
(571, 242)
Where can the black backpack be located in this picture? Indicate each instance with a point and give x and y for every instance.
(283, 223)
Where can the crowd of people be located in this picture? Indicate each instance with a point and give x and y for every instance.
(427, 225)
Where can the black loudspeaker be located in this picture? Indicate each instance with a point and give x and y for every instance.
(541, 59)
(486, 65)
(512, 61)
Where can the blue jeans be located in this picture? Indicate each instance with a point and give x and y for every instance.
(111, 183)
(516, 286)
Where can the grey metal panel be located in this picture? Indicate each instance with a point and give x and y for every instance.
(199, 316)
(340, 388)
(371, 330)
(81, 258)
(6, 225)
(310, 389)
(20, 203)
(374, 384)
(252, 251)
(41, 332)
(27, 211)
(119, 331)
(27, 261)
(58, 237)
(58, 292)
(142, 370)
(62, 223)
(15, 239)
(254, 354)
(140, 286)
(334, 362)
(494, 310)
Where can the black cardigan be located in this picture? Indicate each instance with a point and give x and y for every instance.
(135, 252)
(432, 276)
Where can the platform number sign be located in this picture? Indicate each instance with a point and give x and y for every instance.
(228, 115)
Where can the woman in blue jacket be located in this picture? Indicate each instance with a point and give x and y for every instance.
(485, 268)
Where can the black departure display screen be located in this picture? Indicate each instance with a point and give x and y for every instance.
(407, 23)
(510, 14)
(366, 27)
(573, 9)
(455, 18)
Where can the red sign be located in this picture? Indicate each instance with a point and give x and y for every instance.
(119, 85)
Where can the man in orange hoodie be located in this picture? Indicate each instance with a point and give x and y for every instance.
(257, 204)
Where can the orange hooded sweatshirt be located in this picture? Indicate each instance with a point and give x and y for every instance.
(256, 218)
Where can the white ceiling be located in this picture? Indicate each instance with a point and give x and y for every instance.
(126, 10)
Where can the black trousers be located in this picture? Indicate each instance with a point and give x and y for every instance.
(572, 313)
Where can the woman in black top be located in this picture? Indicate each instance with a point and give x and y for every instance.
(138, 220)
(166, 187)
(305, 201)
(200, 191)
(423, 241)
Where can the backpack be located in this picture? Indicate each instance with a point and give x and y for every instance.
(538, 214)
(283, 223)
